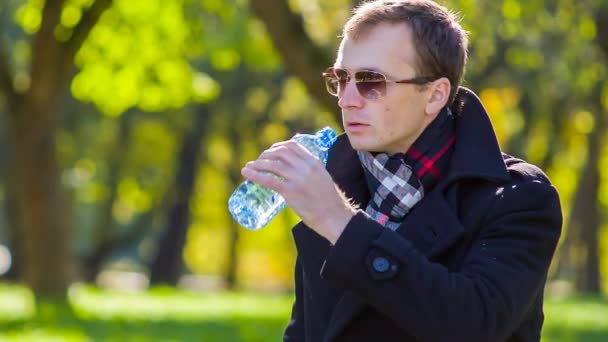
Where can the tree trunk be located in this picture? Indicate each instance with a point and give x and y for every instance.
(578, 254)
(104, 238)
(167, 266)
(10, 208)
(588, 280)
(233, 262)
(301, 56)
(47, 252)
(48, 263)
(235, 178)
(601, 22)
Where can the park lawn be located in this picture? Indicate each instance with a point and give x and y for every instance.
(165, 314)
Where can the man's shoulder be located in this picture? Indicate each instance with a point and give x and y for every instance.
(529, 189)
(522, 171)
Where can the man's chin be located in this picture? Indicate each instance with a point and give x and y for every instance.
(359, 144)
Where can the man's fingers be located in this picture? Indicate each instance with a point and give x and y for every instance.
(263, 178)
(296, 149)
(280, 158)
(290, 152)
(276, 167)
(286, 153)
(286, 165)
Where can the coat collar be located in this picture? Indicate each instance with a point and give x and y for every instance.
(476, 151)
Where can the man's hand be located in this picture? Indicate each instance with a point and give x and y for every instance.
(306, 186)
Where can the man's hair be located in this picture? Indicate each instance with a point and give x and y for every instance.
(440, 41)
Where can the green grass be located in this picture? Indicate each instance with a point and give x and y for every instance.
(172, 315)
(156, 315)
(582, 319)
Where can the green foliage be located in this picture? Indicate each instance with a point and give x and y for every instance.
(323, 19)
(148, 175)
(29, 15)
(208, 238)
(137, 55)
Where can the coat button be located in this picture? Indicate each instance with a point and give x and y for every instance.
(380, 264)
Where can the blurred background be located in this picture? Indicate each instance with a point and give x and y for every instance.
(124, 125)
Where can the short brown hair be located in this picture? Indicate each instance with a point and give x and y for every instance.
(441, 43)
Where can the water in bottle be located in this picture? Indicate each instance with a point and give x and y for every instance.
(253, 206)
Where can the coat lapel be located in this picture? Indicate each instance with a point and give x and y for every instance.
(433, 226)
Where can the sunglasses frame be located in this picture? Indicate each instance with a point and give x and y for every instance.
(330, 75)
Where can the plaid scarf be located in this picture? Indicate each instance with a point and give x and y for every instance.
(399, 181)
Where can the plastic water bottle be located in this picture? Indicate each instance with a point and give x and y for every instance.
(253, 205)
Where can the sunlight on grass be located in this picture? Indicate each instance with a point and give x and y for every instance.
(166, 314)
(47, 335)
(166, 303)
(16, 303)
(576, 319)
(160, 314)
(587, 313)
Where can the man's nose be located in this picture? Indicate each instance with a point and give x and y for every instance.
(350, 97)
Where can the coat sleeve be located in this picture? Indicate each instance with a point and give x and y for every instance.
(486, 299)
(295, 328)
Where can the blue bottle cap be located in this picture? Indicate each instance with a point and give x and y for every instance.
(326, 137)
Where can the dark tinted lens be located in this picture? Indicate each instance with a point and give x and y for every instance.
(370, 84)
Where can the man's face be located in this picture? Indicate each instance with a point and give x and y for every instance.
(393, 122)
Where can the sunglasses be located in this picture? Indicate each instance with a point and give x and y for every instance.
(370, 84)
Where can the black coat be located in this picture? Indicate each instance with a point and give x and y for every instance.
(469, 262)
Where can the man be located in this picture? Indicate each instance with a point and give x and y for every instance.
(420, 229)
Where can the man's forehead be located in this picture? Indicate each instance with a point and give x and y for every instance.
(382, 50)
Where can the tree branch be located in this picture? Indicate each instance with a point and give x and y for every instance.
(86, 24)
(6, 81)
(301, 56)
(52, 61)
(601, 22)
(46, 59)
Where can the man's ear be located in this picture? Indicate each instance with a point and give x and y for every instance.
(440, 94)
